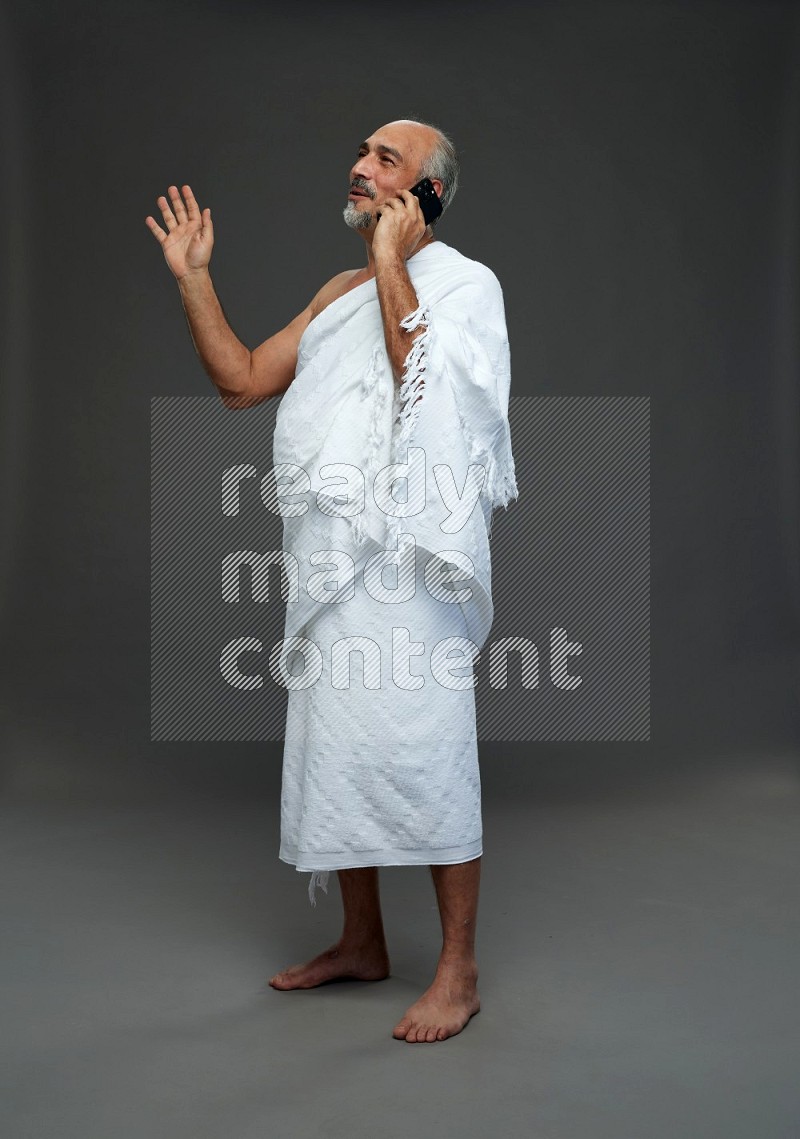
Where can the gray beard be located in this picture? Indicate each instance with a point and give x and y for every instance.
(356, 218)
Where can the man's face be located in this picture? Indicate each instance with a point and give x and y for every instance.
(388, 161)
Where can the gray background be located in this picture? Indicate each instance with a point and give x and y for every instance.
(630, 173)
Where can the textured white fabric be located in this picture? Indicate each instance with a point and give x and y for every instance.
(385, 776)
(381, 776)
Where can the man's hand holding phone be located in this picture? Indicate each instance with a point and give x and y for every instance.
(400, 226)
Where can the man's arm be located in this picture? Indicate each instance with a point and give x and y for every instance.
(244, 378)
(397, 300)
(241, 377)
(222, 354)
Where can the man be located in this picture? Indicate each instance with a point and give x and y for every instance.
(399, 245)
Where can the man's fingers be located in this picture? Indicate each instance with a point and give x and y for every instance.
(415, 203)
(180, 216)
(155, 229)
(407, 199)
(397, 203)
(191, 204)
(177, 204)
(166, 213)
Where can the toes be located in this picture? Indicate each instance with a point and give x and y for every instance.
(415, 1033)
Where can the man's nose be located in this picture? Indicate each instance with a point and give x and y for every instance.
(361, 170)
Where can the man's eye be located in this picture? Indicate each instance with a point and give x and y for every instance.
(385, 157)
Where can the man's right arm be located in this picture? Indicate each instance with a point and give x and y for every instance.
(244, 378)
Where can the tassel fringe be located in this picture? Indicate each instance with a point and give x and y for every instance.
(318, 878)
(411, 390)
(414, 375)
(500, 484)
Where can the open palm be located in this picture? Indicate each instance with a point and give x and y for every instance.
(189, 238)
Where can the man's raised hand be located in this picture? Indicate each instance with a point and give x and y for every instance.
(189, 238)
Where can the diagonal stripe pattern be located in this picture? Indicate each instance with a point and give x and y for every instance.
(568, 656)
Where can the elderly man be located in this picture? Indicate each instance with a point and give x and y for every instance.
(385, 773)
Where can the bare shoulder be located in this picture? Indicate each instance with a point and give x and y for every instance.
(273, 364)
(335, 288)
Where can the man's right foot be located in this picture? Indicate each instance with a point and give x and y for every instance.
(368, 963)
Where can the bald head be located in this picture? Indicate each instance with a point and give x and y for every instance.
(421, 138)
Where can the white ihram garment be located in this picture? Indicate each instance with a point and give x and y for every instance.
(385, 771)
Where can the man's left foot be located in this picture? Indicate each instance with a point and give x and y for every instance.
(443, 1009)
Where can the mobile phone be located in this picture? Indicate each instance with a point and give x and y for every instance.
(428, 199)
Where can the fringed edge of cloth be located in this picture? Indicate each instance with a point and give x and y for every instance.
(413, 372)
(410, 396)
(318, 878)
(500, 484)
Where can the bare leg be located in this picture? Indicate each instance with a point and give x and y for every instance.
(361, 952)
(446, 1007)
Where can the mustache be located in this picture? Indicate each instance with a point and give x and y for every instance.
(360, 185)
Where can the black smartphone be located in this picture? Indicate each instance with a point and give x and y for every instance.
(428, 200)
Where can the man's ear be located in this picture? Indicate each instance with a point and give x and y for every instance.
(438, 186)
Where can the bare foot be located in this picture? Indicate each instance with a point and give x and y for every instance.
(340, 962)
(443, 1009)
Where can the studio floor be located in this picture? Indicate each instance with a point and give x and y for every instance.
(638, 942)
